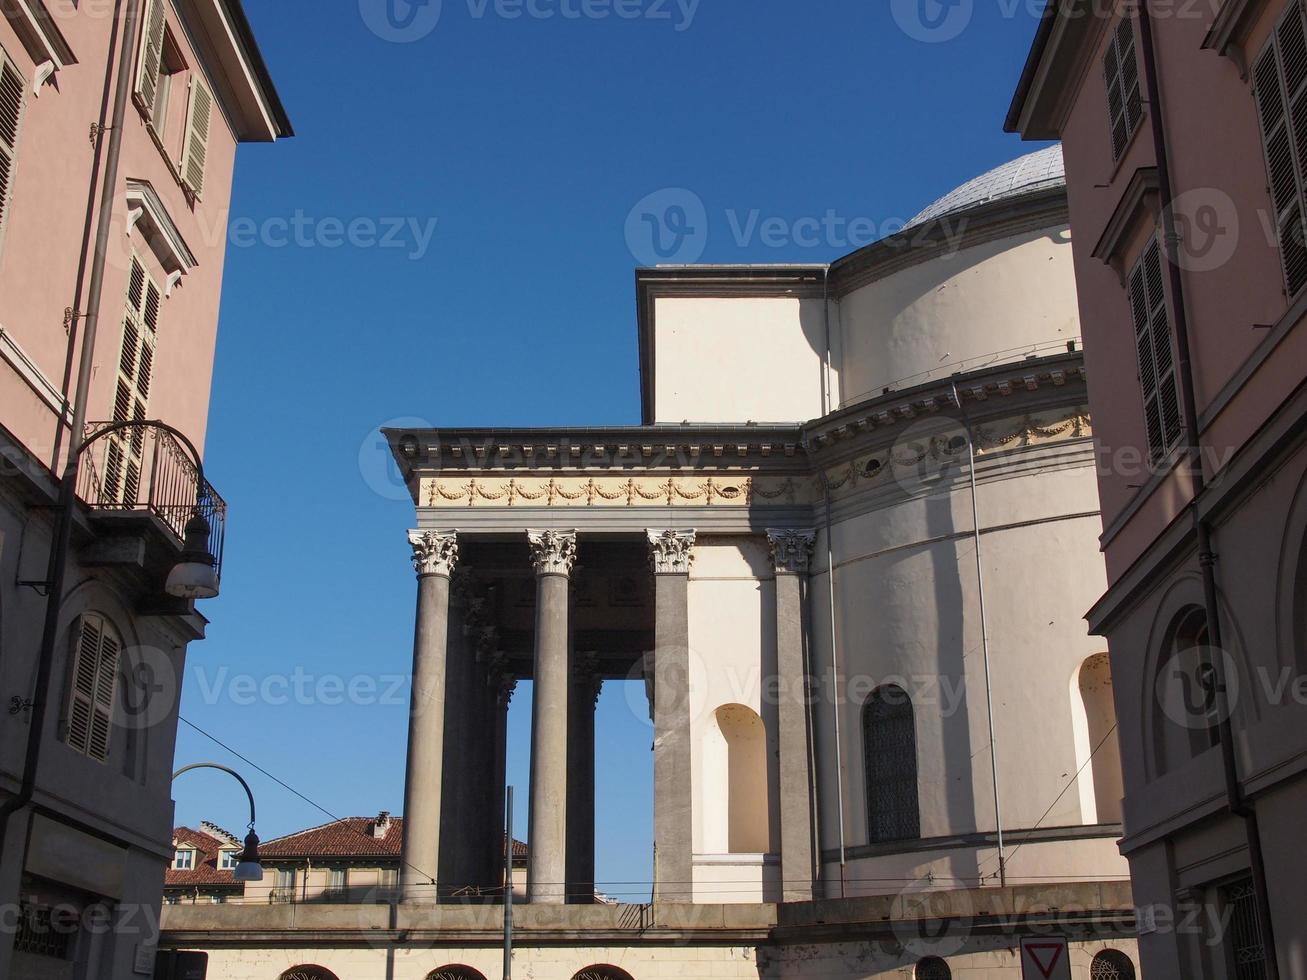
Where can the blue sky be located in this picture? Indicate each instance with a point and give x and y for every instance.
(451, 239)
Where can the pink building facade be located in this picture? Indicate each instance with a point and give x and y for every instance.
(119, 123)
(1184, 128)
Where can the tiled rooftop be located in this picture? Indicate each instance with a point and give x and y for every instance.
(1024, 175)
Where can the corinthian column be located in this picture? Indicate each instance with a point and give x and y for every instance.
(435, 554)
(791, 552)
(671, 554)
(553, 553)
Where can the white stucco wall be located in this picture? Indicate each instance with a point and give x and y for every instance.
(928, 318)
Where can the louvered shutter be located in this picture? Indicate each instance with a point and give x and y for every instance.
(195, 153)
(150, 63)
(1121, 77)
(1153, 346)
(1280, 84)
(95, 677)
(11, 112)
(124, 454)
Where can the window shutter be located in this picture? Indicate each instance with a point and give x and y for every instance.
(11, 111)
(195, 153)
(1280, 85)
(1121, 76)
(95, 676)
(124, 454)
(1157, 379)
(150, 63)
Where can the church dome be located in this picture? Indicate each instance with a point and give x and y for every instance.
(1033, 172)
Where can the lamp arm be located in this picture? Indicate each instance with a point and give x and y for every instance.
(228, 771)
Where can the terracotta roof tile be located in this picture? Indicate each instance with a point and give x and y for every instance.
(350, 837)
(205, 874)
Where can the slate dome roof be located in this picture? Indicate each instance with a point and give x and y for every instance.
(1024, 175)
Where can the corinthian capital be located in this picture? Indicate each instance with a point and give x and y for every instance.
(791, 551)
(552, 552)
(670, 551)
(434, 552)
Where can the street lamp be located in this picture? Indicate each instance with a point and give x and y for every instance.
(248, 867)
(195, 575)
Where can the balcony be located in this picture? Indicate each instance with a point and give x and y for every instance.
(140, 486)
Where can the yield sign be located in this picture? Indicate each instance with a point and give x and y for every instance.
(1045, 958)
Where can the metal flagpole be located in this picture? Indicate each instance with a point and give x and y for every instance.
(508, 885)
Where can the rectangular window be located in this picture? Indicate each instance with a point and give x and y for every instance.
(149, 65)
(228, 860)
(94, 678)
(124, 456)
(184, 860)
(1153, 347)
(1280, 84)
(11, 113)
(36, 934)
(1245, 949)
(1121, 74)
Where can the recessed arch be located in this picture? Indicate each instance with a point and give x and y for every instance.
(602, 972)
(456, 971)
(889, 745)
(1112, 964)
(1182, 691)
(736, 809)
(932, 968)
(1291, 587)
(308, 973)
(1098, 748)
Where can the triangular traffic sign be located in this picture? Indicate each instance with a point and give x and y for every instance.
(1046, 957)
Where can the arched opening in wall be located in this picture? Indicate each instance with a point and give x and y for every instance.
(1111, 964)
(308, 973)
(1100, 743)
(736, 812)
(1184, 693)
(932, 968)
(456, 972)
(602, 973)
(889, 745)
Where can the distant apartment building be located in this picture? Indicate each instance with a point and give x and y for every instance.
(1184, 128)
(119, 123)
(351, 860)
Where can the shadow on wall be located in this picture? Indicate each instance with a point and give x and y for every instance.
(737, 811)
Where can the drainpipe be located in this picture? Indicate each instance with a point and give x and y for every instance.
(1236, 801)
(68, 489)
(984, 638)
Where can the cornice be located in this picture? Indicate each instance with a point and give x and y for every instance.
(1140, 199)
(1066, 37)
(1229, 31)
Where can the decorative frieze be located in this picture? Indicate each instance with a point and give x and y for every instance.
(434, 552)
(671, 552)
(791, 551)
(552, 552)
(613, 491)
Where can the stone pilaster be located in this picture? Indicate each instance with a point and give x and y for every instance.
(671, 553)
(435, 555)
(791, 553)
(553, 553)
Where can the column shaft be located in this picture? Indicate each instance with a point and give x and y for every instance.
(554, 554)
(433, 556)
(581, 789)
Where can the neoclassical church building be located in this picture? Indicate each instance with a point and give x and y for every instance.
(848, 552)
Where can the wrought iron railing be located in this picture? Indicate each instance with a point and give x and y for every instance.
(145, 469)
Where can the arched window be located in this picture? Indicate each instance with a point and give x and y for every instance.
(889, 745)
(308, 973)
(1111, 964)
(1097, 741)
(736, 811)
(1184, 725)
(93, 681)
(932, 968)
(602, 973)
(456, 972)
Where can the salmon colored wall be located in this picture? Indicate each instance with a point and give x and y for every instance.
(1204, 99)
(47, 222)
